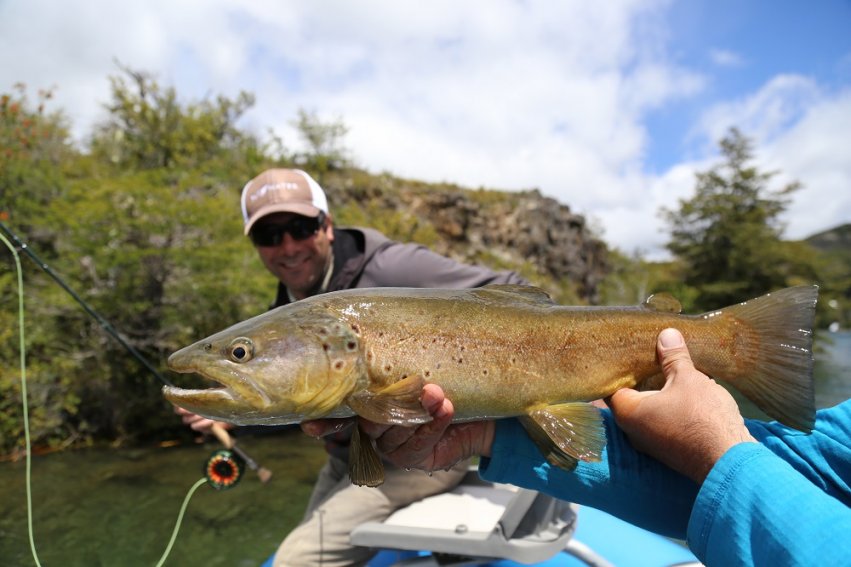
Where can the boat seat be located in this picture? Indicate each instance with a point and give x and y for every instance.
(477, 521)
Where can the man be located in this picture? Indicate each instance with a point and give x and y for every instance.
(287, 219)
(742, 492)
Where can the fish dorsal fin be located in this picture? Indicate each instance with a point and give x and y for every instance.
(520, 293)
(397, 404)
(663, 302)
(365, 466)
(575, 432)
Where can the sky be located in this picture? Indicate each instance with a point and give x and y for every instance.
(608, 107)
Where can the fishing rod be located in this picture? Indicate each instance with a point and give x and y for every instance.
(220, 433)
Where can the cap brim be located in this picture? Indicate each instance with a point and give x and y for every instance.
(298, 208)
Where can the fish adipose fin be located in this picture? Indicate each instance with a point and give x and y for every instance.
(664, 303)
(567, 433)
(782, 382)
(397, 404)
(365, 466)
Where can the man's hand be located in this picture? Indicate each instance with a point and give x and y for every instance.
(431, 446)
(690, 423)
(198, 423)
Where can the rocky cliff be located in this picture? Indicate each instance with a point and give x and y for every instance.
(524, 231)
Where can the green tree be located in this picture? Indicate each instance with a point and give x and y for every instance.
(33, 145)
(148, 127)
(728, 235)
(324, 142)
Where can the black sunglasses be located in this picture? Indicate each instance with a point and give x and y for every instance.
(299, 228)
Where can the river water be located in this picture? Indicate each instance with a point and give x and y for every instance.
(118, 507)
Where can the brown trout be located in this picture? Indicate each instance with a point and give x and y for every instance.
(497, 351)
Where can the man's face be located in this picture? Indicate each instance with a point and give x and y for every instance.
(298, 264)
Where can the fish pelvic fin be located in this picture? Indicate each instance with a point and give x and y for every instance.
(567, 433)
(781, 383)
(397, 404)
(365, 466)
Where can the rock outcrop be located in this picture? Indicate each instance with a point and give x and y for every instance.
(510, 230)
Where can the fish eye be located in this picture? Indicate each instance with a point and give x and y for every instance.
(241, 350)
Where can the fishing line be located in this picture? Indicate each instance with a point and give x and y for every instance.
(262, 472)
(23, 357)
(21, 335)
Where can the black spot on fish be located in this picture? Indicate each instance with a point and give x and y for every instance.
(325, 347)
(338, 365)
(351, 345)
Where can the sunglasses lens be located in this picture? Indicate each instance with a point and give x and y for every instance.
(266, 235)
(300, 228)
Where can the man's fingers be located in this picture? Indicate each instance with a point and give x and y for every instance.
(323, 427)
(427, 434)
(673, 353)
(626, 401)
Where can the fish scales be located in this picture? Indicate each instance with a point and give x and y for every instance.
(498, 351)
(524, 357)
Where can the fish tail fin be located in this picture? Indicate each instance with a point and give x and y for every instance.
(781, 383)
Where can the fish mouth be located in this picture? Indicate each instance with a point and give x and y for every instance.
(233, 390)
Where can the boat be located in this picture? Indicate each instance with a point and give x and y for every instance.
(498, 525)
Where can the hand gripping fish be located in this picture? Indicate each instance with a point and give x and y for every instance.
(497, 351)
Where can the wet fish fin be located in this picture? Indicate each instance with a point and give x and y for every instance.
(521, 293)
(781, 380)
(365, 466)
(397, 404)
(663, 302)
(567, 433)
(546, 446)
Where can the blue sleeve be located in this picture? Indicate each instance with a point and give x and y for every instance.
(642, 491)
(782, 502)
(625, 483)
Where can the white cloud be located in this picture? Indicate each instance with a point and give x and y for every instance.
(815, 152)
(726, 58)
(504, 94)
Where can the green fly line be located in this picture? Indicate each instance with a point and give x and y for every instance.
(23, 358)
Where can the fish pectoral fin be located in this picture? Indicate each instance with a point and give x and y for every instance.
(398, 404)
(567, 433)
(365, 466)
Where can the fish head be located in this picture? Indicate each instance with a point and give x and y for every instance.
(287, 365)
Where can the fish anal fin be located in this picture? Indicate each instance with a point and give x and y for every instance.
(546, 446)
(397, 404)
(365, 466)
(576, 429)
